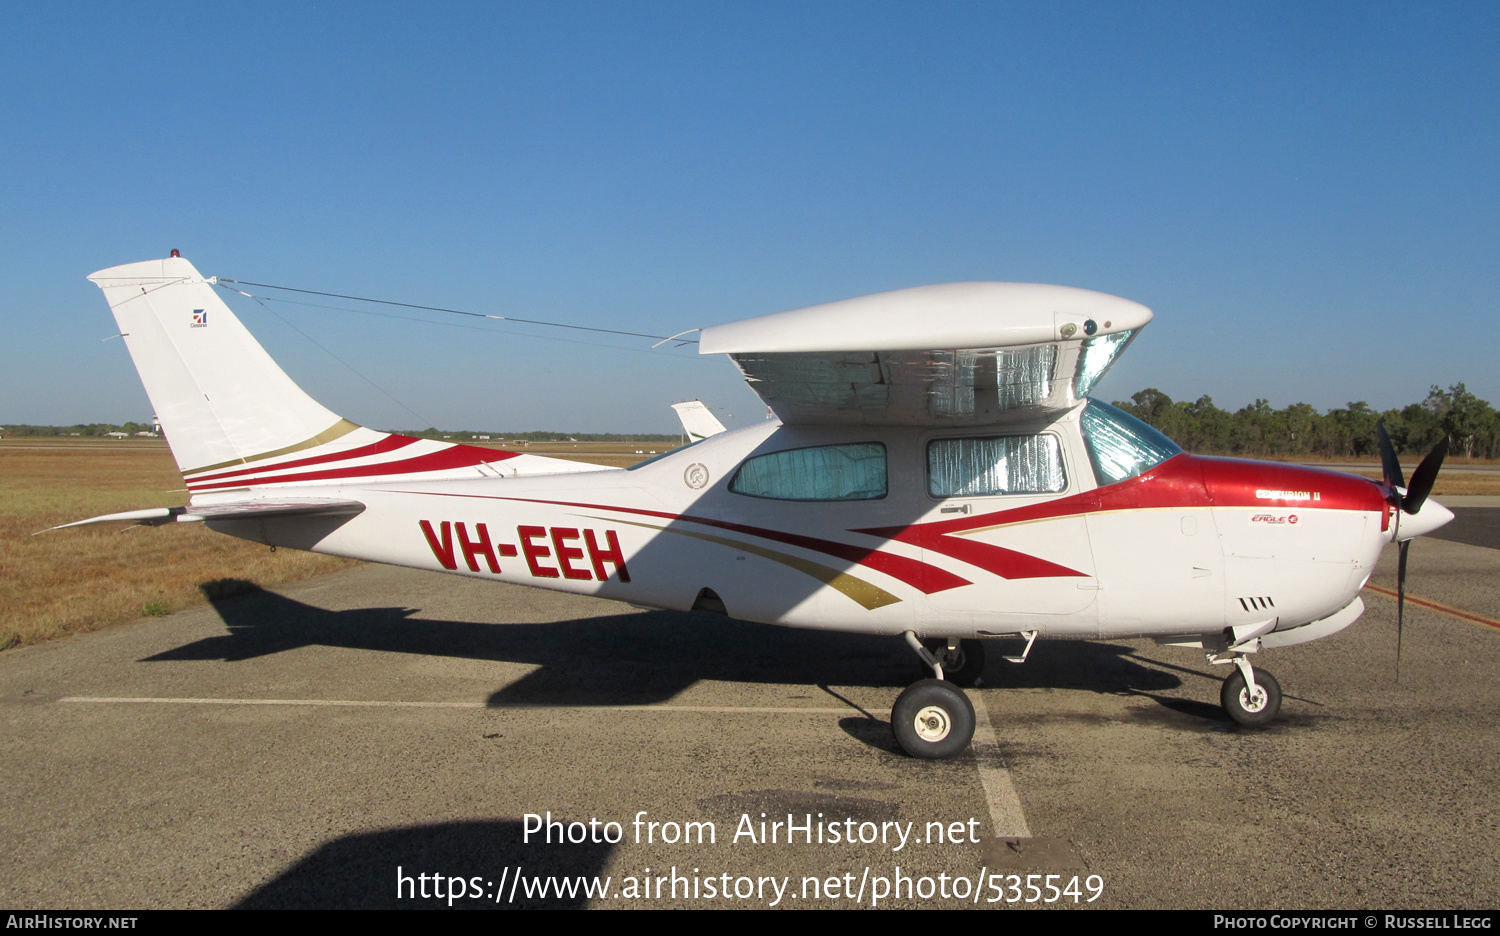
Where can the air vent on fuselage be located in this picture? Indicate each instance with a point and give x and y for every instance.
(1256, 604)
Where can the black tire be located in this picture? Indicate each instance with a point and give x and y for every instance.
(933, 719)
(962, 666)
(1247, 711)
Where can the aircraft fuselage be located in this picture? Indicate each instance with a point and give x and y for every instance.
(1190, 546)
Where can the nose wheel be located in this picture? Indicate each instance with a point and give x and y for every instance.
(1250, 697)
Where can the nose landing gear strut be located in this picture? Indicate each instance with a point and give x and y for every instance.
(1250, 697)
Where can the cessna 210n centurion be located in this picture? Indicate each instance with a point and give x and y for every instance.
(937, 472)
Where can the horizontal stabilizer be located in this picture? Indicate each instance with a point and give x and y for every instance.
(263, 509)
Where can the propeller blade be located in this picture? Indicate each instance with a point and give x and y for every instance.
(1424, 478)
(1390, 467)
(1400, 601)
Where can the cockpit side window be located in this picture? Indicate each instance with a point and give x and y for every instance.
(1121, 446)
(821, 473)
(981, 467)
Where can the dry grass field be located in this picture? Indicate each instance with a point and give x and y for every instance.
(1453, 483)
(71, 581)
(1460, 476)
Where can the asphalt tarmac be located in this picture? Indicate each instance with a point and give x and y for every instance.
(338, 743)
(1477, 526)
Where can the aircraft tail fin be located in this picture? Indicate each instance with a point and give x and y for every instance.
(236, 421)
(220, 398)
(697, 421)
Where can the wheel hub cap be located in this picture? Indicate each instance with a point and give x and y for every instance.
(932, 724)
(1253, 703)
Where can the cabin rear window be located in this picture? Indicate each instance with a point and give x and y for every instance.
(1121, 446)
(821, 473)
(1025, 464)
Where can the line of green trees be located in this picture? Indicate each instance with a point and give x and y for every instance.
(1471, 425)
(453, 435)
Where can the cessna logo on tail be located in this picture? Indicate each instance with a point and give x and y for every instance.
(200, 318)
(541, 546)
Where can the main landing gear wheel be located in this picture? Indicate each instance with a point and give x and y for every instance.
(1251, 708)
(963, 665)
(933, 719)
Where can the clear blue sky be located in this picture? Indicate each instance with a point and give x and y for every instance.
(1305, 193)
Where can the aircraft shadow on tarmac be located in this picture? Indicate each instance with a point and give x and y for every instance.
(359, 872)
(640, 658)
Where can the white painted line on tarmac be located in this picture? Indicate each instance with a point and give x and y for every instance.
(1005, 804)
(363, 703)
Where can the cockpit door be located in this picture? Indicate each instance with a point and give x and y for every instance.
(1007, 515)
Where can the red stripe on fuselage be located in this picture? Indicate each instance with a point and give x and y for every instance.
(456, 456)
(388, 444)
(1183, 481)
(919, 575)
(1240, 482)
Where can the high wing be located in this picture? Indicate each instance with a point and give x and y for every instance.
(959, 354)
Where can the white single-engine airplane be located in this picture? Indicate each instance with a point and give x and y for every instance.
(937, 472)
